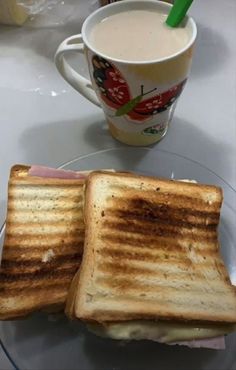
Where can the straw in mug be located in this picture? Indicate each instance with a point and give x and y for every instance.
(178, 12)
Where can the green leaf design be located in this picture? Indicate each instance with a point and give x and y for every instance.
(153, 130)
(127, 107)
(150, 131)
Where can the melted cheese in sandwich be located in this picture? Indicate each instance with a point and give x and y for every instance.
(160, 331)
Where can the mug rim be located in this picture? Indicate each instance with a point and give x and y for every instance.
(133, 62)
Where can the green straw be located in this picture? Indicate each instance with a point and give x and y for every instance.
(178, 12)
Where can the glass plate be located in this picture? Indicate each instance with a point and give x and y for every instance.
(44, 342)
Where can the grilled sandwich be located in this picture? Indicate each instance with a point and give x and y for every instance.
(152, 266)
(43, 241)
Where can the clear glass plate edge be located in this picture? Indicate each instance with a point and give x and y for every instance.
(147, 149)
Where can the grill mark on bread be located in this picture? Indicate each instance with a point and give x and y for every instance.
(24, 287)
(158, 229)
(125, 285)
(44, 205)
(144, 211)
(210, 225)
(175, 201)
(55, 239)
(17, 253)
(42, 233)
(166, 244)
(133, 288)
(119, 283)
(44, 267)
(182, 214)
(142, 256)
(74, 222)
(119, 268)
(20, 200)
(127, 268)
(40, 275)
(159, 195)
(34, 210)
(162, 216)
(45, 183)
(35, 262)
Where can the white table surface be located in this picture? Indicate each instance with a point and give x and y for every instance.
(44, 121)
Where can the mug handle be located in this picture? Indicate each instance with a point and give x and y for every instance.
(80, 83)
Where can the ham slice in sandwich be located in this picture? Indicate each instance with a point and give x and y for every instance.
(42, 171)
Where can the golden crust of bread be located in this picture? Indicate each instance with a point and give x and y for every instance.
(43, 242)
(71, 297)
(151, 252)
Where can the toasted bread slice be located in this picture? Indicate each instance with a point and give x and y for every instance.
(43, 242)
(71, 297)
(152, 252)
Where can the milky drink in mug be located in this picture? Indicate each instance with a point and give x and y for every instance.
(138, 35)
(138, 66)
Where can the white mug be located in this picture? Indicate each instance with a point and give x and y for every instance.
(138, 98)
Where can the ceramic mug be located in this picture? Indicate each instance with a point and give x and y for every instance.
(138, 98)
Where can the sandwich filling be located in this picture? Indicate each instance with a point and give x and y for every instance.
(161, 331)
